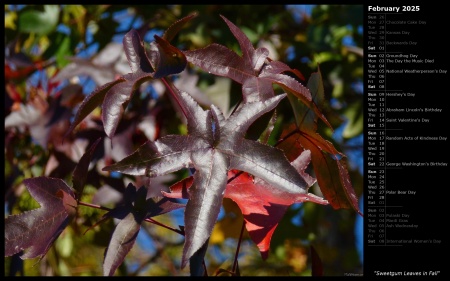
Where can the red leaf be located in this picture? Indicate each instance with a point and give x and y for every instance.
(262, 205)
(329, 167)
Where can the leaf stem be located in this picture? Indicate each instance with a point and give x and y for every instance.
(287, 136)
(94, 206)
(150, 220)
(175, 94)
(235, 264)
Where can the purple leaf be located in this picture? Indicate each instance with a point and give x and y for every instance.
(116, 100)
(205, 199)
(80, 173)
(116, 95)
(262, 204)
(251, 70)
(254, 58)
(221, 61)
(134, 210)
(121, 242)
(135, 52)
(36, 230)
(173, 30)
(170, 60)
(155, 158)
(213, 146)
(91, 102)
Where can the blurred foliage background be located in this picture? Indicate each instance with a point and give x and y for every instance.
(57, 54)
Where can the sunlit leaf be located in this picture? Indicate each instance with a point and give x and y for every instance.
(251, 70)
(212, 150)
(35, 231)
(263, 205)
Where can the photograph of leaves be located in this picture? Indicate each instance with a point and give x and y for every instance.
(199, 149)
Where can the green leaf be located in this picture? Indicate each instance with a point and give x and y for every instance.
(41, 23)
(354, 126)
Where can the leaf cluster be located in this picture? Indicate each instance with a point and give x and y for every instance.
(227, 155)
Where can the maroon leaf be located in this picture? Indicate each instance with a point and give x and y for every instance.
(36, 230)
(116, 95)
(173, 30)
(91, 102)
(328, 163)
(135, 209)
(251, 70)
(135, 52)
(214, 146)
(121, 242)
(81, 170)
(170, 60)
(251, 57)
(329, 167)
(262, 204)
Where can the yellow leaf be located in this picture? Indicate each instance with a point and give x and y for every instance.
(10, 19)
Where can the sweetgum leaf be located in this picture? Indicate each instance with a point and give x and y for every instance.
(135, 52)
(196, 262)
(329, 167)
(81, 170)
(262, 204)
(173, 30)
(205, 199)
(116, 95)
(170, 60)
(253, 58)
(135, 209)
(251, 70)
(214, 145)
(91, 102)
(305, 119)
(36, 230)
(122, 240)
(328, 162)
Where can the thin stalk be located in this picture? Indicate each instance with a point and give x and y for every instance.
(238, 247)
(287, 136)
(175, 94)
(150, 220)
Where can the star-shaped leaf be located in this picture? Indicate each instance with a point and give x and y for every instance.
(135, 209)
(262, 204)
(328, 163)
(160, 60)
(214, 145)
(36, 230)
(254, 70)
